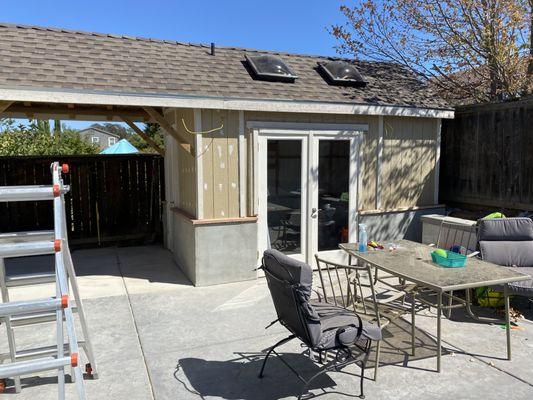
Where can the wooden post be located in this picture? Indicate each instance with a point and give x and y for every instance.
(4, 105)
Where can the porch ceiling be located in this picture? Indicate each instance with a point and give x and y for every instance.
(84, 112)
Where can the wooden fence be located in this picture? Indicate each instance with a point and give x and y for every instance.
(487, 156)
(115, 198)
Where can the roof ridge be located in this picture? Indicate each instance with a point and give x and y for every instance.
(177, 42)
(94, 128)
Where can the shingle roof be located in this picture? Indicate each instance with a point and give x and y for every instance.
(37, 57)
(92, 128)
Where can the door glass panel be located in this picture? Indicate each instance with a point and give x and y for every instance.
(284, 196)
(333, 190)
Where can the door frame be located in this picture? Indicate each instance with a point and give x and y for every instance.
(310, 134)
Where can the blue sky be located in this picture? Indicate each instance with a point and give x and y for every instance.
(290, 25)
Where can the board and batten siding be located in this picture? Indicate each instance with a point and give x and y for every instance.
(407, 163)
(220, 164)
(183, 166)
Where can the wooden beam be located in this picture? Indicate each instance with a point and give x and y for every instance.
(146, 138)
(160, 119)
(4, 105)
(17, 110)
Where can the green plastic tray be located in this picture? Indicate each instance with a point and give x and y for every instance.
(454, 260)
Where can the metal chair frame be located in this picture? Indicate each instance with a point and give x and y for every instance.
(392, 307)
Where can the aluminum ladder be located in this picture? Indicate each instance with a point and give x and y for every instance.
(58, 309)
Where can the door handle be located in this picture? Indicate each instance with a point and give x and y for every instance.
(314, 212)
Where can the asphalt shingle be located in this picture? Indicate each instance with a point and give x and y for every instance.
(37, 57)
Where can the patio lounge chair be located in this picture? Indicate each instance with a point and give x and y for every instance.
(509, 242)
(322, 327)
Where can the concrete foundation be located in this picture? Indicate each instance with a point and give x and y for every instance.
(210, 254)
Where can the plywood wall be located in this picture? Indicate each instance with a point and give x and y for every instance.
(183, 165)
(408, 163)
(220, 164)
(407, 169)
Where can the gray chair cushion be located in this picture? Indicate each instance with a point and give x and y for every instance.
(508, 253)
(340, 326)
(505, 229)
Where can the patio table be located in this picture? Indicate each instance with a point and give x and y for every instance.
(411, 261)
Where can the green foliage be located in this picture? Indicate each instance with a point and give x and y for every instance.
(154, 132)
(37, 139)
(117, 129)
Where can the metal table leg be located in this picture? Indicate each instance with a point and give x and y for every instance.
(507, 321)
(439, 317)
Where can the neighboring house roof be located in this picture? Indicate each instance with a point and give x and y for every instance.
(48, 58)
(100, 131)
(121, 147)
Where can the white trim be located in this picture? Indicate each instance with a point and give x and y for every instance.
(379, 159)
(242, 166)
(310, 139)
(326, 128)
(437, 161)
(182, 101)
(255, 155)
(199, 165)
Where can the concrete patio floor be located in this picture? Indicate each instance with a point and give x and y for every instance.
(158, 337)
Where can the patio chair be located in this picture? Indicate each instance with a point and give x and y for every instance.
(354, 287)
(459, 238)
(509, 242)
(322, 327)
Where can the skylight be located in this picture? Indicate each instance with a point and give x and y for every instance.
(269, 67)
(342, 73)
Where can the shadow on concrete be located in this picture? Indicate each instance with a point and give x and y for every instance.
(150, 263)
(238, 378)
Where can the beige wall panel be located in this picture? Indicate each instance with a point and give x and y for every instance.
(221, 164)
(232, 131)
(186, 166)
(408, 162)
(207, 164)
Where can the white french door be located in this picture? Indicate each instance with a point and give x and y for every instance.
(306, 190)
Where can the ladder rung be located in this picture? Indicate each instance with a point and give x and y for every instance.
(41, 351)
(29, 236)
(28, 193)
(27, 307)
(35, 318)
(30, 279)
(19, 368)
(26, 249)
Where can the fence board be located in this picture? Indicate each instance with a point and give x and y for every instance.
(487, 156)
(115, 198)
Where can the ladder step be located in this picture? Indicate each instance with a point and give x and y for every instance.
(26, 249)
(30, 279)
(19, 368)
(29, 236)
(41, 352)
(26, 193)
(35, 318)
(32, 306)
